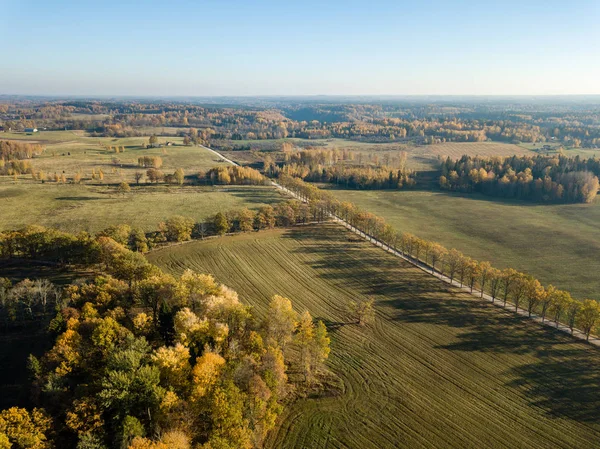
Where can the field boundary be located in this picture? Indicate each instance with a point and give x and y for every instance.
(578, 334)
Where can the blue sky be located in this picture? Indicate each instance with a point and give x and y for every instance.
(232, 47)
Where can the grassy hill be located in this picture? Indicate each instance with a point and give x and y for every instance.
(436, 369)
(558, 244)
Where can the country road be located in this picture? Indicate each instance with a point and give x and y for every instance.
(593, 340)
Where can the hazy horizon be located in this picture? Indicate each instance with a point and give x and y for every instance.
(385, 48)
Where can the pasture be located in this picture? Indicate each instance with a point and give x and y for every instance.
(437, 368)
(457, 149)
(72, 152)
(558, 244)
(420, 157)
(77, 208)
(555, 147)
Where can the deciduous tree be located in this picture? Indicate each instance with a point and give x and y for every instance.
(588, 316)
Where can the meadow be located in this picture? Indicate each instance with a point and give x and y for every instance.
(95, 204)
(558, 244)
(455, 150)
(437, 368)
(72, 152)
(77, 208)
(419, 157)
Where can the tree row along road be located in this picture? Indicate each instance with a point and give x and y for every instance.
(594, 340)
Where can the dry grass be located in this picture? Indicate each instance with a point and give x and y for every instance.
(457, 149)
(75, 208)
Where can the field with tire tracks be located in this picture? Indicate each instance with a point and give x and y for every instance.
(438, 368)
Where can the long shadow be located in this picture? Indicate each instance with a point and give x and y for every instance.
(567, 385)
(249, 195)
(332, 326)
(563, 379)
(79, 198)
(477, 196)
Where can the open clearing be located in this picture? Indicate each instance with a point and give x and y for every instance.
(420, 157)
(437, 369)
(77, 208)
(455, 150)
(558, 244)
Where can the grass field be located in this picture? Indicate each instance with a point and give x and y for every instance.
(423, 157)
(457, 149)
(72, 152)
(558, 244)
(76, 208)
(95, 205)
(437, 368)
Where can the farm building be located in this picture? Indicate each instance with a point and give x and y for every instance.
(31, 130)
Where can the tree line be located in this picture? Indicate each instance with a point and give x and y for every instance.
(352, 177)
(144, 359)
(539, 178)
(14, 155)
(52, 245)
(338, 167)
(232, 175)
(521, 289)
(12, 149)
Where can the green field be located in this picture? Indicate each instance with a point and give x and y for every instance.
(437, 369)
(558, 244)
(76, 208)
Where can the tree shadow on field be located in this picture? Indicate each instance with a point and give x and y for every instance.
(563, 379)
(480, 197)
(333, 326)
(79, 198)
(550, 369)
(565, 384)
(251, 196)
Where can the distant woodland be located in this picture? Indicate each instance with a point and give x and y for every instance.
(539, 178)
(574, 126)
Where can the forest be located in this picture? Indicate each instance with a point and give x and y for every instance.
(343, 168)
(299, 225)
(420, 122)
(539, 178)
(142, 359)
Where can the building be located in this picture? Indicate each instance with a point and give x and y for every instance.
(31, 130)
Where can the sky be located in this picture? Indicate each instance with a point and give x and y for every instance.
(327, 47)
